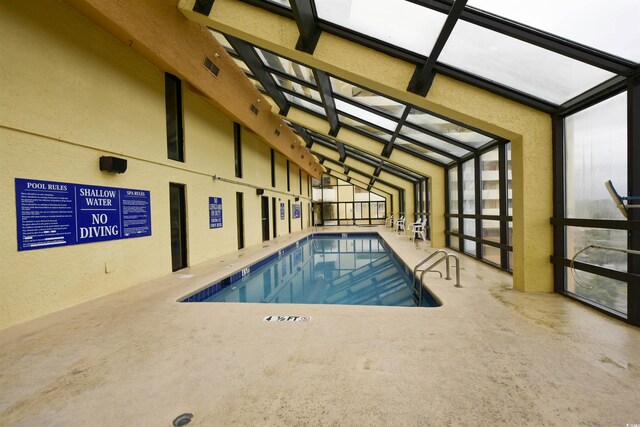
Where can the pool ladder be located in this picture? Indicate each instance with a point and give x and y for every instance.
(440, 255)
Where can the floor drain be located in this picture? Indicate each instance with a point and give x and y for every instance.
(182, 420)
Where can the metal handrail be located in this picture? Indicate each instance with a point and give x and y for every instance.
(429, 269)
(424, 261)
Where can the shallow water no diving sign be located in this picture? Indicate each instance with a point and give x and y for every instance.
(287, 319)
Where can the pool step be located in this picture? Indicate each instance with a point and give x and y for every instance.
(377, 289)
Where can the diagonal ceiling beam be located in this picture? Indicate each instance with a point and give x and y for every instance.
(324, 87)
(256, 66)
(423, 76)
(342, 151)
(307, 27)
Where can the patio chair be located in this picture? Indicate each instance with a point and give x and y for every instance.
(420, 230)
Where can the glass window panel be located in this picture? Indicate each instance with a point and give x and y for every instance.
(446, 128)
(453, 190)
(491, 254)
(468, 187)
(345, 210)
(578, 238)
(364, 127)
(398, 22)
(520, 65)
(286, 66)
(365, 115)
(300, 102)
(284, 3)
(360, 194)
(357, 210)
(510, 233)
(363, 96)
(433, 141)
(422, 150)
(596, 151)
(490, 176)
(329, 211)
(365, 209)
(377, 197)
(469, 225)
(220, 38)
(591, 21)
(297, 88)
(469, 247)
(454, 242)
(317, 194)
(491, 230)
(602, 290)
(454, 225)
(329, 194)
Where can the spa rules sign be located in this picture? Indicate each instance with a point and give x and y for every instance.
(59, 213)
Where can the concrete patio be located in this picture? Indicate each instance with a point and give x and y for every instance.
(489, 356)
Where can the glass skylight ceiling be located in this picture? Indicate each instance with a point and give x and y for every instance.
(384, 119)
(443, 127)
(284, 65)
(544, 74)
(486, 47)
(608, 26)
(397, 22)
(368, 98)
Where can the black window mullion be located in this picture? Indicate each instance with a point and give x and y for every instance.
(461, 241)
(559, 243)
(503, 192)
(478, 193)
(633, 180)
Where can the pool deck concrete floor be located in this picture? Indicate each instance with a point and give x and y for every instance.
(489, 356)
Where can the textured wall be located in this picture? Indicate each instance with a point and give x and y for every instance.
(70, 93)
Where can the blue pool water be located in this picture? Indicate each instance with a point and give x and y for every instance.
(355, 269)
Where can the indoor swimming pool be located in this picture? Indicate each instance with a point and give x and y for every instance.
(338, 268)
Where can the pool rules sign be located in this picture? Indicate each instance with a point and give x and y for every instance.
(59, 213)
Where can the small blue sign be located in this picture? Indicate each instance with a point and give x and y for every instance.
(282, 211)
(296, 210)
(215, 212)
(59, 213)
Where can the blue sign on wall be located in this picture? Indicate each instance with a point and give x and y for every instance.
(296, 210)
(281, 210)
(59, 213)
(215, 212)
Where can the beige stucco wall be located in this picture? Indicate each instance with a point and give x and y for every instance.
(70, 92)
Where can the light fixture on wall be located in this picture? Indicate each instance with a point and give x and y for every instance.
(113, 164)
(259, 191)
(297, 198)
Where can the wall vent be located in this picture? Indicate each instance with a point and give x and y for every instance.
(277, 132)
(254, 109)
(213, 68)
